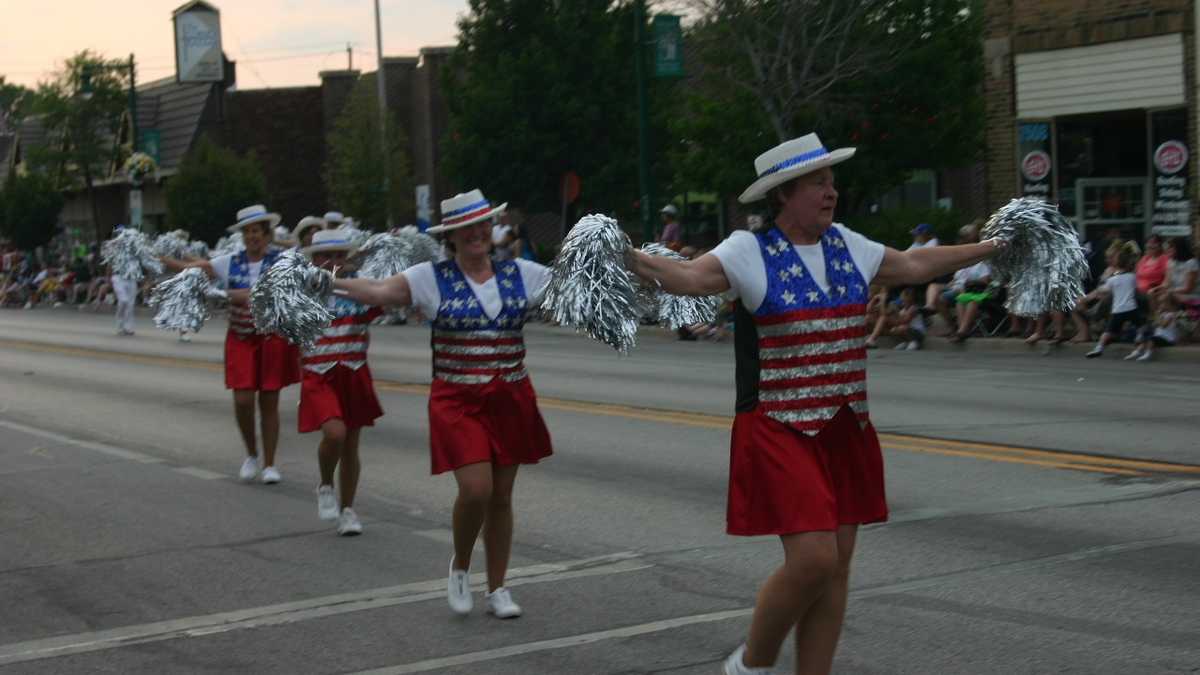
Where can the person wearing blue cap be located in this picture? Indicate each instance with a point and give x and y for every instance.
(924, 237)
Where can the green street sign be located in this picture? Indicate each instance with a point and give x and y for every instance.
(149, 141)
(668, 46)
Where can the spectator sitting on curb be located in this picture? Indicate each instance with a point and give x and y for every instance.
(908, 325)
(877, 313)
(672, 233)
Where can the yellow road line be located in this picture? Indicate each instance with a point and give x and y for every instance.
(1057, 459)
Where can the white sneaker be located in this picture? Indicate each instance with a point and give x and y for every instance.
(348, 525)
(270, 476)
(734, 665)
(1146, 356)
(500, 604)
(1096, 351)
(458, 590)
(901, 347)
(185, 337)
(327, 503)
(249, 470)
(1135, 354)
(913, 346)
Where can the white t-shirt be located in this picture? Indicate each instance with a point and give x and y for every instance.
(220, 266)
(931, 243)
(422, 282)
(977, 272)
(741, 258)
(1177, 272)
(1123, 286)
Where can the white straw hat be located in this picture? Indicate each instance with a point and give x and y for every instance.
(788, 160)
(306, 223)
(254, 214)
(330, 240)
(465, 209)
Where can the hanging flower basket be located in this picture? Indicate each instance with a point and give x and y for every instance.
(139, 166)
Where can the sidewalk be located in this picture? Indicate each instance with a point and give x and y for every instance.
(1187, 353)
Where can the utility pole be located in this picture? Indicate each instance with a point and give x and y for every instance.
(349, 57)
(639, 55)
(133, 125)
(383, 146)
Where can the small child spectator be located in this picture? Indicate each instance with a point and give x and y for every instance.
(1122, 285)
(908, 324)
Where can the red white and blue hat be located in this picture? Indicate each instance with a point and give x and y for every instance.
(254, 214)
(465, 209)
(330, 240)
(789, 160)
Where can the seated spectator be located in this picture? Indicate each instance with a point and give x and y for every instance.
(946, 300)
(1151, 273)
(974, 282)
(923, 237)
(877, 313)
(1180, 287)
(908, 324)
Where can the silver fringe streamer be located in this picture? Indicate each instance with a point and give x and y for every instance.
(589, 288)
(197, 249)
(182, 300)
(129, 252)
(675, 311)
(356, 236)
(384, 255)
(1043, 266)
(171, 245)
(227, 245)
(289, 299)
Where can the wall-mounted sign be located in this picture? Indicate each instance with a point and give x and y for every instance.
(198, 56)
(1172, 214)
(1036, 164)
(668, 46)
(424, 208)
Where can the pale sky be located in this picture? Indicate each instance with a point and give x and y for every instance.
(276, 43)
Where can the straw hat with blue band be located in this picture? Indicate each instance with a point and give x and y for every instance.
(465, 209)
(789, 160)
(254, 214)
(307, 223)
(330, 240)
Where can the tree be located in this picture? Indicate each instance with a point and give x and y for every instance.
(15, 101)
(29, 208)
(921, 107)
(210, 187)
(82, 109)
(355, 168)
(537, 88)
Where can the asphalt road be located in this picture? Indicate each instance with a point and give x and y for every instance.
(1045, 518)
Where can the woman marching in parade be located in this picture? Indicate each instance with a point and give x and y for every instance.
(337, 395)
(805, 461)
(256, 365)
(484, 421)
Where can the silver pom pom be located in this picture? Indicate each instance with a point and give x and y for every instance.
(589, 287)
(128, 252)
(290, 297)
(182, 300)
(1043, 265)
(170, 245)
(675, 311)
(197, 249)
(228, 245)
(384, 255)
(355, 235)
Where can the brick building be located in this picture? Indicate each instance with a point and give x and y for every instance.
(1092, 104)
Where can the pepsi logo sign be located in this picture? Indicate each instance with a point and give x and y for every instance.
(1171, 157)
(1036, 165)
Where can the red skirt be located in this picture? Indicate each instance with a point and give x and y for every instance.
(338, 393)
(497, 422)
(260, 362)
(782, 481)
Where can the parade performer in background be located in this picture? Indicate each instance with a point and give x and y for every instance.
(337, 394)
(805, 461)
(484, 421)
(305, 229)
(256, 365)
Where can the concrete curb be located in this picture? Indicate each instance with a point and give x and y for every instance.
(1189, 353)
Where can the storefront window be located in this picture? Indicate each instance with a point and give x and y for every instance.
(1102, 146)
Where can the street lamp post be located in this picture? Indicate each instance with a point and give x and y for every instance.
(135, 192)
(639, 55)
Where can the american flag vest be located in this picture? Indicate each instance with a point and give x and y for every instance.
(345, 340)
(241, 321)
(811, 351)
(469, 347)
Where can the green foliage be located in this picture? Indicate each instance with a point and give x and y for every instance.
(354, 170)
(83, 122)
(892, 227)
(15, 102)
(29, 208)
(922, 108)
(210, 187)
(537, 88)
